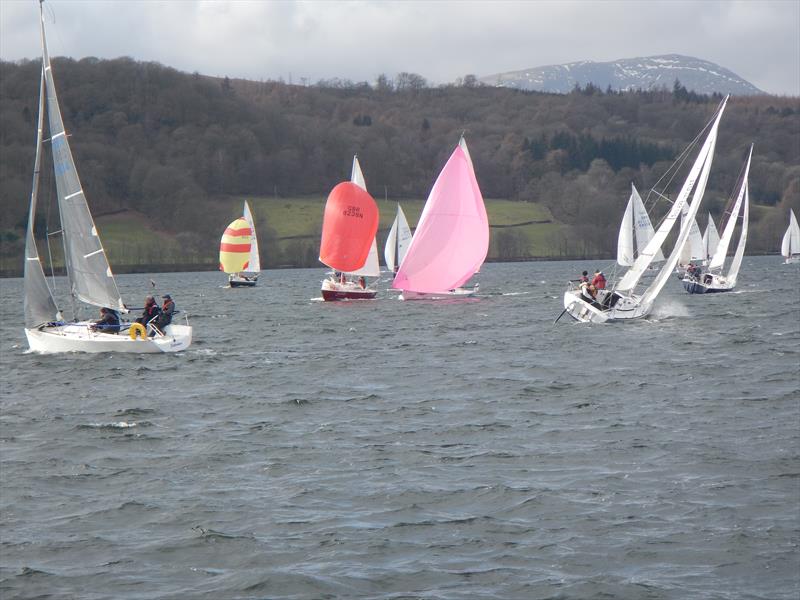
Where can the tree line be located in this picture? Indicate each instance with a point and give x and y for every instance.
(171, 144)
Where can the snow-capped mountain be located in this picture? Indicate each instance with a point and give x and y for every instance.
(628, 74)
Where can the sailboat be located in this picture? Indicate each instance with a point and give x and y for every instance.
(238, 251)
(635, 231)
(348, 243)
(397, 242)
(452, 237)
(622, 301)
(790, 246)
(90, 278)
(713, 280)
(710, 240)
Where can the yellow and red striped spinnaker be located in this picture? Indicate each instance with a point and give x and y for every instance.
(234, 247)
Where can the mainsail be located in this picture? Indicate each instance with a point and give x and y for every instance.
(697, 175)
(254, 262)
(710, 239)
(39, 305)
(636, 227)
(718, 259)
(234, 247)
(397, 242)
(452, 237)
(371, 267)
(87, 267)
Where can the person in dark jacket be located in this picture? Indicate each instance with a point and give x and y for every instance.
(108, 321)
(167, 310)
(150, 312)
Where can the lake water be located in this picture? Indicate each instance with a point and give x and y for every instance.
(387, 449)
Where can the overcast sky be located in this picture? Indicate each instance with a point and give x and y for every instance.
(758, 40)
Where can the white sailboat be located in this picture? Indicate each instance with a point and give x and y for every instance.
(248, 277)
(714, 280)
(710, 240)
(623, 301)
(397, 242)
(635, 231)
(88, 271)
(790, 246)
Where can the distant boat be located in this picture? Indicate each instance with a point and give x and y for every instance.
(90, 278)
(635, 231)
(236, 252)
(713, 280)
(622, 302)
(397, 242)
(248, 275)
(452, 237)
(790, 246)
(348, 240)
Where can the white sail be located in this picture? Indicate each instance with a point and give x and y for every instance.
(693, 248)
(660, 280)
(636, 226)
(718, 259)
(254, 262)
(397, 242)
(371, 267)
(647, 256)
(736, 263)
(710, 239)
(88, 270)
(39, 305)
(790, 245)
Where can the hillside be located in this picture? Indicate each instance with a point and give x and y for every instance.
(176, 148)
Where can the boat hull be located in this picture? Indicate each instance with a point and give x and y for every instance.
(332, 291)
(78, 337)
(611, 307)
(792, 260)
(450, 294)
(236, 282)
(710, 284)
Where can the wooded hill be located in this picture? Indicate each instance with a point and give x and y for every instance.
(178, 148)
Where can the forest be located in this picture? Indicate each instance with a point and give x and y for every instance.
(175, 148)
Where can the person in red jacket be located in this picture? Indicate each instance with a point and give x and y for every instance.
(599, 280)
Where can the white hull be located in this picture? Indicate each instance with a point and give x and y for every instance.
(623, 307)
(792, 260)
(456, 293)
(78, 337)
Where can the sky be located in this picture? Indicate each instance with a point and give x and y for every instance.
(442, 40)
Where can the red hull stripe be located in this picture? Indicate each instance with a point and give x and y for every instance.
(223, 247)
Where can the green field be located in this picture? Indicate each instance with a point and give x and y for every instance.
(288, 231)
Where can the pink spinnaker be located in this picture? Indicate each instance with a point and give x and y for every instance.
(452, 237)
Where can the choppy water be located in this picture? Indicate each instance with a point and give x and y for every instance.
(386, 449)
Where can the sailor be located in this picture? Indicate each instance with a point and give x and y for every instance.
(599, 280)
(167, 310)
(150, 312)
(107, 323)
